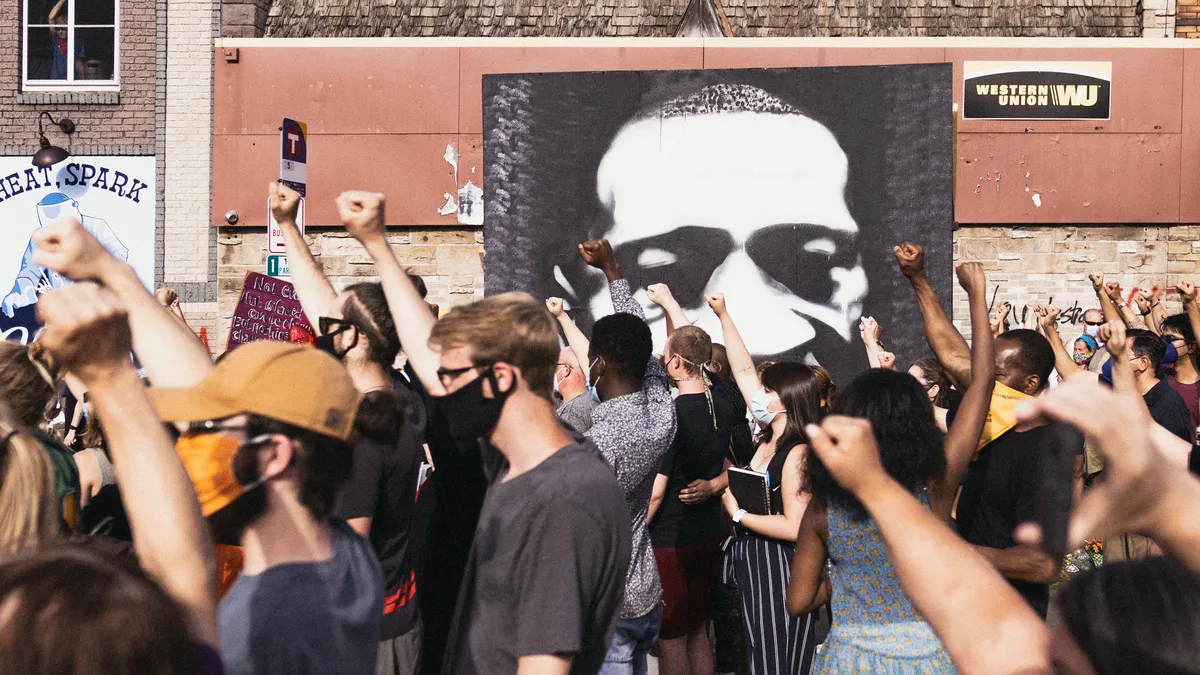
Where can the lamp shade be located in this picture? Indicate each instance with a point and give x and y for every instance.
(49, 155)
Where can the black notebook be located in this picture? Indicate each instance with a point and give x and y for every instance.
(752, 489)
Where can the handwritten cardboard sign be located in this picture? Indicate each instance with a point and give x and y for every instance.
(268, 309)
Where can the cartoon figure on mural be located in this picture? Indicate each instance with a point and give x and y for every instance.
(783, 189)
(32, 280)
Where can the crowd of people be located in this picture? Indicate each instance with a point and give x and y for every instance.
(496, 492)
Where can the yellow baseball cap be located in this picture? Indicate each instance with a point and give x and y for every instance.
(295, 384)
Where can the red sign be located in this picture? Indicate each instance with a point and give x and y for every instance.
(267, 309)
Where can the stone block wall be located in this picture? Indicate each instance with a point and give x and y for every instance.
(1052, 263)
(449, 259)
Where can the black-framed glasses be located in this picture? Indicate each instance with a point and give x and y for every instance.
(214, 427)
(448, 375)
(331, 326)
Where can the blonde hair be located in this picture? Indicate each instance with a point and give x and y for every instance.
(28, 513)
(26, 381)
(510, 327)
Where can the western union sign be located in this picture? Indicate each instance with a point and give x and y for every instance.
(1043, 90)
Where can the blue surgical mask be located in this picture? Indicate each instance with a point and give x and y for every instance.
(758, 407)
(592, 385)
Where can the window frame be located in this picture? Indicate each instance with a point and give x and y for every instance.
(70, 84)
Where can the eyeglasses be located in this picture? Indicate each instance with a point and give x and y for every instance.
(448, 375)
(332, 326)
(214, 427)
(1093, 323)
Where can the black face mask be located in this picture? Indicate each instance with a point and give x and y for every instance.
(327, 343)
(469, 413)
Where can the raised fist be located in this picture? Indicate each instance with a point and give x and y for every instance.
(167, 297)
(971, 277)
(1187, 291)
(363, 214)
(911, 259)
(1097, 281)
(717, 302)
(887, 360)
(1113, 290)
(660, 294)
(1048, 317)
(86, 331)
(285, 203)
(598, 253)
(69, 249)
(555, 305)
(869, 329)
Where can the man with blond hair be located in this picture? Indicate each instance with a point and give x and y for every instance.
(543, 583)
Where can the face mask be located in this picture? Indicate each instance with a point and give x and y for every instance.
(592, 385)
(1082, 359)
(758, 407)
(470, 414)
(557, 382)
(1091, 331)
(208, 460)
(328, 343)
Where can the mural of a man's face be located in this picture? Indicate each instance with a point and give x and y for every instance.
(730, 190)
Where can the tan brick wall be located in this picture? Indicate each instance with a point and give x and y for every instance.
(1043, 263)
(450, 259)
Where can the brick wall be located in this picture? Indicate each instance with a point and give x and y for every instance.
(123, 124)
(1187, 18)
(450, 259)
(188, 260)
(1040, 264)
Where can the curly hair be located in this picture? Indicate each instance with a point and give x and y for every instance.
(909, 440)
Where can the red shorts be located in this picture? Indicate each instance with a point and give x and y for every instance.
(688, 574)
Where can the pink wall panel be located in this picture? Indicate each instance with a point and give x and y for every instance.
(338, 90)
(408, 168)
(380, 117)
(1079, 178)
(1189, 166)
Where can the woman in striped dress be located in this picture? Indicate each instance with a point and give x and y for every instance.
(758, 561)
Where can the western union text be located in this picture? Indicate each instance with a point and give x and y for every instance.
(1080, 95)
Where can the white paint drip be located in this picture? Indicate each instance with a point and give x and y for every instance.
(1037, 200)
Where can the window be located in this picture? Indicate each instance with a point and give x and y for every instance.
(70, 44)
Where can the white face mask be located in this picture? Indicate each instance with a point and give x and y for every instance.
(759, 405)
(1091, 331)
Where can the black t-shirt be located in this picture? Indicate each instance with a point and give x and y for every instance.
(698, 452)
(1000, 492)
(448, 509)
(547, 568)
(1169, 410)
(383, 486)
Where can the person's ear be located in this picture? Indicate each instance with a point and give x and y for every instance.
(275, 456)
(1032, 384)
(934, 391)
(505, 377)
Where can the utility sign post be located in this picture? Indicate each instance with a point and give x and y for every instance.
(293, 157)
(293, 172)
(277, 266)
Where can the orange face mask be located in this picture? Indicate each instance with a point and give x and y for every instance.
(1002, 414)
(208, 459)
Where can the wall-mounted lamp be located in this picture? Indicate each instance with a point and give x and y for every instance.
(49, 155)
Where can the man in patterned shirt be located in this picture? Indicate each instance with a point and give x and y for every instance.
(633, 426)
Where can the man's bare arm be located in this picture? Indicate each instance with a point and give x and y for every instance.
(944, 339)
(313, 289)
